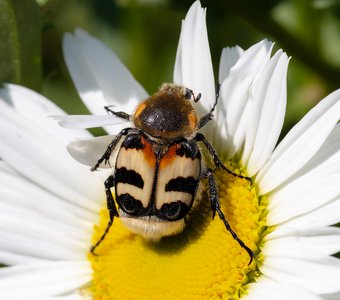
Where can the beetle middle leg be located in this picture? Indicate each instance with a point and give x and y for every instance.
(109, 183)
(215, 207)
(217, 161)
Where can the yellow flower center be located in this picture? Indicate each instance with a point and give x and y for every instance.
(202, 262)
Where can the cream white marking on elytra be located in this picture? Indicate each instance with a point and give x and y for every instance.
(179, 167)
(133, 159)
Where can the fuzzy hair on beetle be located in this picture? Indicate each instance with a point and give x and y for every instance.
(158, 166)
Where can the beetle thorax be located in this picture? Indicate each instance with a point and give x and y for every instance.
(166, 115)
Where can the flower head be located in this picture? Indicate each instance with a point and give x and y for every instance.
(50, 203)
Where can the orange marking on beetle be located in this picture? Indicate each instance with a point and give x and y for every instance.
(192, 118)
(169, 156)
(139, 109)
(148, 152)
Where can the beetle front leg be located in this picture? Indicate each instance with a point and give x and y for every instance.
(215, 206)
(109, 183)
(120, 114)
(111, 147)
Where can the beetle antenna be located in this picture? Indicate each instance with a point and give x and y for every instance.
(197, 98)
(218, 88)
(206, 118)
(190, 94)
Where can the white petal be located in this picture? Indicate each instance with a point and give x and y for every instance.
(36, 149)
(18, 191)
(326, 215)
(91, 121)
(35, 109)
(68, 297)
(193, 67)
(301, 143)
(267, 289)
(89, 151)
(306, 193)
(329, 153)
(34, 224)
(308, 244)
(43, 280)
(6, 170)
(15, 221)
(99, 76)
(47, 168)
(9, 259)
(267, 108)
(235, 92)
(335, 296)
(30, 248)
(229, 57)
(319, 276)
(313, 175)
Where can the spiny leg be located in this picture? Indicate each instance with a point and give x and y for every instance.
(110, 148)
(109, 183)
(218, 163)
(119, 114)
(215, 206)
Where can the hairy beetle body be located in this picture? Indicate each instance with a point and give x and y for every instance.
(159, 166)
(155, 184)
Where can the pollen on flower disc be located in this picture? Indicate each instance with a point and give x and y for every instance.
(203, 262)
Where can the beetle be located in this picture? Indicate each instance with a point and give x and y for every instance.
(159, 166)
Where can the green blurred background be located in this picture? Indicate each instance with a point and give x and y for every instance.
(144, 34)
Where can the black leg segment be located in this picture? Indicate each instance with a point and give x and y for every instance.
(218, 163)
(120, 114)
(215, 206)
(111, 147)
(109, 183)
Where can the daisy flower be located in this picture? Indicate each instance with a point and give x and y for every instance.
(53, 208)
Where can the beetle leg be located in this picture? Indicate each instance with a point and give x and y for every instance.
(110, 148)
(218, 163)
(216, 208)
(119, 114)
(204, 120)
(109, 183)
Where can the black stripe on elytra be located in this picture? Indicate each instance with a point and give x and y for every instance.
(181, 184)
(123, 175)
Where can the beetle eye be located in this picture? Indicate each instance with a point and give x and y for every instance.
(188, 94)
(174, 211)
(129, 204)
